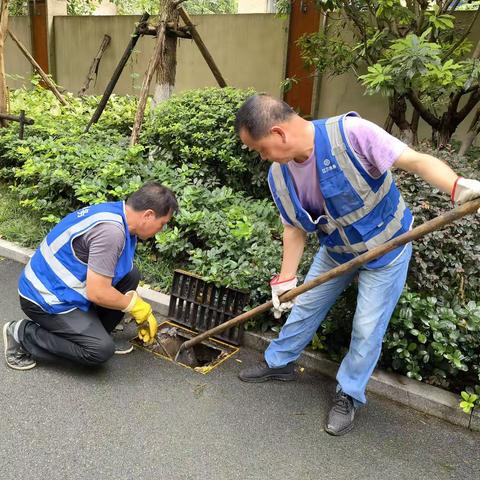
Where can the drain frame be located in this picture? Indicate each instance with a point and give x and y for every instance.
(213, 343)
(201, 305)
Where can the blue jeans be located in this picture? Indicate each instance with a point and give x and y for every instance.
(378, 294)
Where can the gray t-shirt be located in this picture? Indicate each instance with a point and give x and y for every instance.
(101, 247)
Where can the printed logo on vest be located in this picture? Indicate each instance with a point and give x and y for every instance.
(82, 212)
(328, 166)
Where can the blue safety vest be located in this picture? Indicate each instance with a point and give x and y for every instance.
(361, 211)
(54, 278)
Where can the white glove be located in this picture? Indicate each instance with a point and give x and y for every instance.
(278, 288)
(465, 189)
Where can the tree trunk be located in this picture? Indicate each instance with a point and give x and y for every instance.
(414, 125)
(473, 131)
(442, 136)
(166, 71)
(3, 80)
(397, 112)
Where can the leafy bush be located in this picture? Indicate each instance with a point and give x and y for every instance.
(440, 344)
(57, 167)
(197, 128)
(445, 263)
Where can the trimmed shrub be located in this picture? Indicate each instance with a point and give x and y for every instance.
(197, 128)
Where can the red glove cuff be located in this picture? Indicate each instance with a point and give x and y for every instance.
(454, 188)
(274, 280)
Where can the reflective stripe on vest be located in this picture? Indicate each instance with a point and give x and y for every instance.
(54, 278)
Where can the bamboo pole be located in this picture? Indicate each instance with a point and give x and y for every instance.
(202, 47)
(93, 71)
(37, 67)
(15, 118)
(3, 80)
(118, 71)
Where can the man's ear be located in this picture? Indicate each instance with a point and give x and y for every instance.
(149, 214)
(276, 130)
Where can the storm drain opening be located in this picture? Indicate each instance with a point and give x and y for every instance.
(195, 307)
(201, 358)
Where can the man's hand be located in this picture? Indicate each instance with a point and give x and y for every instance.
(464, 190)
(141, 311)
(278, 288)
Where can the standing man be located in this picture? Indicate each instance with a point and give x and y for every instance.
(81, 279)
(332, 177)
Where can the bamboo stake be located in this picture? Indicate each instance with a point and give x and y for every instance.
(118, 71)
(93, 71)
(202, 47)
(3, 80)
(37, 67)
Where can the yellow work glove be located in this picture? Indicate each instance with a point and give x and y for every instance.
(141, 311)
(148, 329)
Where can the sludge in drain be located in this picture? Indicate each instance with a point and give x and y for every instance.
(202, 358)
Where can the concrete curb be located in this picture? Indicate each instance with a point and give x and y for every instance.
(417, 395)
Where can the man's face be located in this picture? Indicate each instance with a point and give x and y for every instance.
(149, 224)
(272, 147)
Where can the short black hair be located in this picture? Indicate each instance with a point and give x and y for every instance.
(259, 113)
(153, 196)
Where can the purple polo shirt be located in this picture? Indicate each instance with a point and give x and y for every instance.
(376, 149)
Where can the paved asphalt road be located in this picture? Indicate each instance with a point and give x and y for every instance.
(140, 417)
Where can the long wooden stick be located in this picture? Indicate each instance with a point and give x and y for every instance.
(202, 47)
(3, 80)
(93, 70)
(20, 118)
(435, 224)
(37, 67)
(118, 71)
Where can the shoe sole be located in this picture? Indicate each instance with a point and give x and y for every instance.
(341, 432)
(5, 340)
(124, 352)
(286, 377)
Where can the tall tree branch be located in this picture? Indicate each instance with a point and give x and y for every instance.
(431, 119)
(468, 107)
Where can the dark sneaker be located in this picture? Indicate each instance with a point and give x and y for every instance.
(122, 346)
(15, 356)
(341, 415)
(262, 372)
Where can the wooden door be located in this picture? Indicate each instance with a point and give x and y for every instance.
(304, 18)
(38, 19)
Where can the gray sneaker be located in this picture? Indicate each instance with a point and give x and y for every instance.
(341, 415)
(262, 372)
(122, 346)
(15, 356)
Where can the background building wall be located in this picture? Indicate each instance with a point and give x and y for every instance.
(249, 50)
(18, 68)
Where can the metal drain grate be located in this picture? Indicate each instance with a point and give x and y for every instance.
(201, 305)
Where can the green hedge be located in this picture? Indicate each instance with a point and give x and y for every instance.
(197, 129)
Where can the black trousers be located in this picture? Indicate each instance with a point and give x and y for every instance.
(83, 337)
